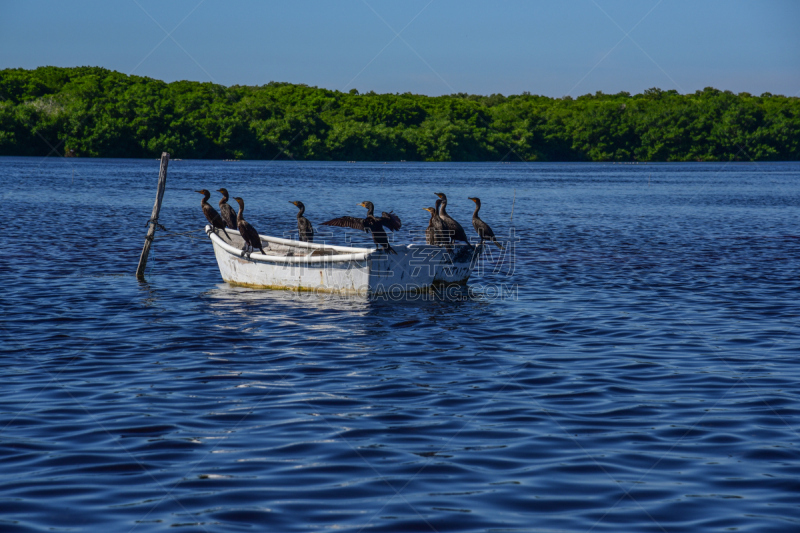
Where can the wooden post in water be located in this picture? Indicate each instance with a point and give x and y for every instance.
(151, 227)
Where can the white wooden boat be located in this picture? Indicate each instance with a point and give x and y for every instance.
(288, 264)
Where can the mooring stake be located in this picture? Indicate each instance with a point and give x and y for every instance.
(153, 222)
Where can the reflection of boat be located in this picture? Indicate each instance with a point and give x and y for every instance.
(297, 265)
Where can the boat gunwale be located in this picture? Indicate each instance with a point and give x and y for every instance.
(300, 244)
(356, 254)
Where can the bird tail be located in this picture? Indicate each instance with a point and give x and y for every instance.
(498, 244)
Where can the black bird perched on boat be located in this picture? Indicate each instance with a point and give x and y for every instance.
(248, 232)
(226, 211)
(453, 230)
(303, 224)
(434, 233)
(371, 224)
(211, 214)
(483, 229)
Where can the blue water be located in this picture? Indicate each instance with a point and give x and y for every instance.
(630, 365)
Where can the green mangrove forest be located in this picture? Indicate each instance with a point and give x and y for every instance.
(95, 112)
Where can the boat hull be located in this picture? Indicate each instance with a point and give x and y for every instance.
(296, 265)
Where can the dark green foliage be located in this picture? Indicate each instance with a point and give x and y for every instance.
(101, 113)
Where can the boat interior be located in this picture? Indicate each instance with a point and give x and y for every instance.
(277, 247)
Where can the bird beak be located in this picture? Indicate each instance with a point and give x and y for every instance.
(361, 204)
(201, 192)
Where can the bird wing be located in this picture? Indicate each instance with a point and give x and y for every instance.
(228, 215)
(482, 228)
(213, 217)
(346, 222)
(304, 226)
(390, 220)
(248, 233)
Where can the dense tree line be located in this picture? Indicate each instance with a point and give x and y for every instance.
(91, 111)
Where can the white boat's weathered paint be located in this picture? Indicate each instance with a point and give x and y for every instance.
(299, 265)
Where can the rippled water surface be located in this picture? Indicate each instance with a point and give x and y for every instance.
(630, 365)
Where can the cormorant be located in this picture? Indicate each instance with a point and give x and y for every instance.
(453, 230)
(248, 232)
(483, 229)
(434, 233)
(211, 214)
(371, 224)
(303, 224)
(226, 212)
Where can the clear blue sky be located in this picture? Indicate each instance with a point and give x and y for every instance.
(444, 46)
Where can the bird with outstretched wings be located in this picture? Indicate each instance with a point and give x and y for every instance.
(371, 224)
